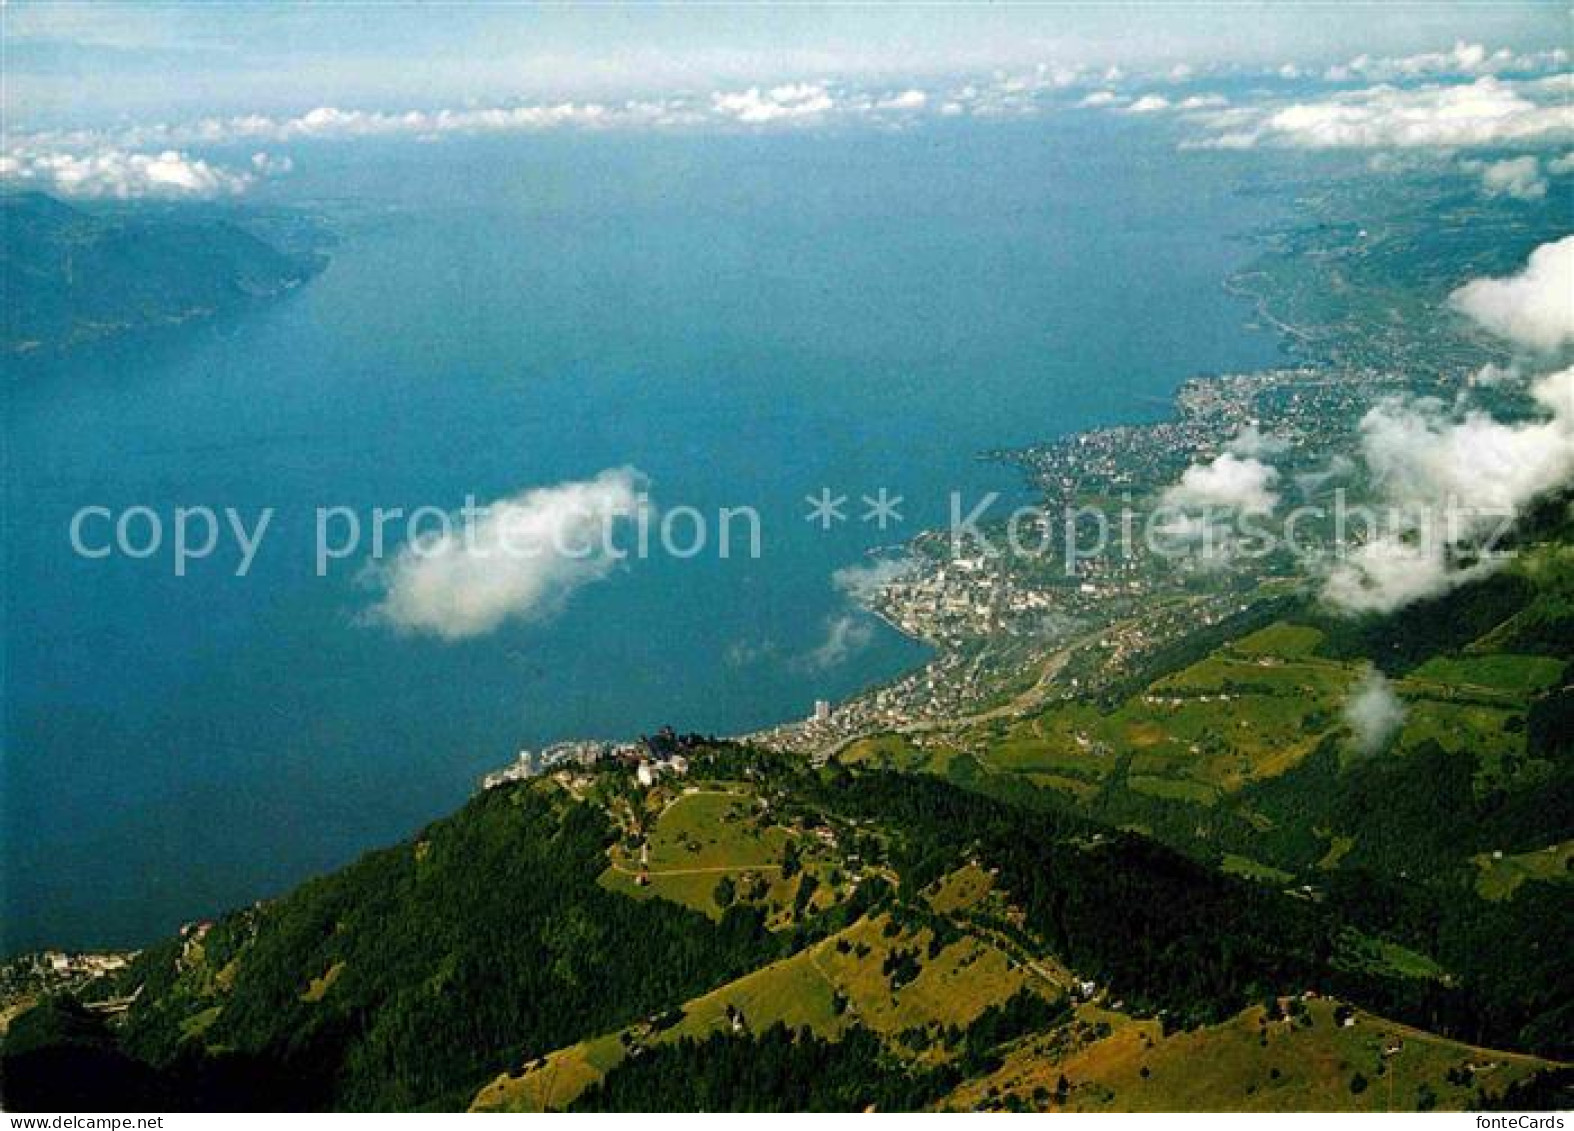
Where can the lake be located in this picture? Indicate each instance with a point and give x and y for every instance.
(745, 319)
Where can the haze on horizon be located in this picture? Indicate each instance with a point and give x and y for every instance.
(75, 64)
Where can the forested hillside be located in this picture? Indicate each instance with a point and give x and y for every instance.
(910, 927)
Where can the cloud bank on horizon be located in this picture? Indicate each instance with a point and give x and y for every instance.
(1465, 97)
(522, 559)
(1486, 112)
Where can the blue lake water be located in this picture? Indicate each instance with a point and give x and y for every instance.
(744, 319)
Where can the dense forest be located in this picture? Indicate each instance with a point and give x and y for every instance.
(483, 942)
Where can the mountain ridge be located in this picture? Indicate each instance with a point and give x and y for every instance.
(73, 276)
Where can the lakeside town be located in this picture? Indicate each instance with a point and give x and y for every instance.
(1000, 618)
(1034, 616)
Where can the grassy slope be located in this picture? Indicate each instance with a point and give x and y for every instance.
(1212, 735)
(966, 977)
(1244, 1064)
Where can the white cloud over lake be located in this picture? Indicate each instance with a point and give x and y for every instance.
(1148, 104)
(865, 580)
(756, 106)
(522, 559)
(1502, 104)
(846, 634)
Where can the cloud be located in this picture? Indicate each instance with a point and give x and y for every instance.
(1148, 104)
(1154, 103)
(1559, 166)
(333, 123)
(521, 559)
(757, 107)
(156, 159)
(1491, 375)
(1338, 467)
(1518, 177)
(1486, 112)
(269, 165)
(1451, 483)
(861, 582)
(851, 630)
(1229, 483)
(845, 635)
(1395, 570)
(119, 175)
(1101, 98)
(907, 100)
(1421, 456)
(1534, 308)
(746, 653)
(1467, 59)
(1253, 442)
(1374, 713)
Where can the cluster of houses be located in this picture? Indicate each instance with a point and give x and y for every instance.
(560, 755)
(648, 771)
(665, 753)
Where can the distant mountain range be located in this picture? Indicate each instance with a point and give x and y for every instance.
(70, 275)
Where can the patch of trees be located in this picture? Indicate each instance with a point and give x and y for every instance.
(901, 967)
(58, 1056)
(1399, 641)
(1545, 1091)
(1023, 1013)
(1170, 934)
(493, 947)
(778, 1070)
(1162, 931)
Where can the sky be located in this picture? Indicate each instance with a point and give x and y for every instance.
(212, 99)
(91, 63)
